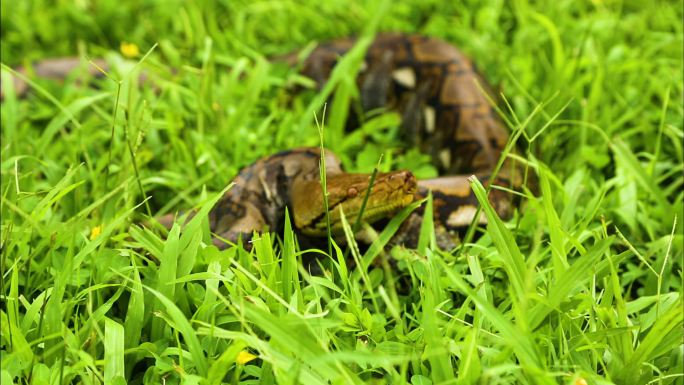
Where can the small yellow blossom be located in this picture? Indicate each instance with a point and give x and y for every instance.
(580, 381)
(95, 232)
(244, 357)
(129, 50)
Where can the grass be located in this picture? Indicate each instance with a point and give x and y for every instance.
(583, 285)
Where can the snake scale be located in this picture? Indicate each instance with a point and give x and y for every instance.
(444, 112)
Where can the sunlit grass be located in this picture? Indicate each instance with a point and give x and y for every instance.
(584, 285)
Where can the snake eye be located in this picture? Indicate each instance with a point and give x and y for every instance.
(352, 192)
(399, 178)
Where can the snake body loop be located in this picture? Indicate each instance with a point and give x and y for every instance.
(445, 113)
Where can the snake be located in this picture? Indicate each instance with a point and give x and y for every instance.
(445, 112)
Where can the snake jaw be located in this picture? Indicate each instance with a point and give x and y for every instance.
(346, 192)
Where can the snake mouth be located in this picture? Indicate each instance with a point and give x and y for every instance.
(390, 192)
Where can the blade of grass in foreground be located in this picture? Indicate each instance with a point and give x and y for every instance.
(182, 325)
(514, 262)
(54, 309)
(569, 279)
(356, 254)
(166, 274)
(556, 233)
(135, 313)
(289, 334)
(221, 366)
(427, 228)
(519, 341)
(387, 233)
(289, 278)
(114, 352)
(19, 347)
(662, 338)
(435, 352)
(324, 187)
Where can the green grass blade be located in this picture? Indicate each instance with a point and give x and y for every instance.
(182, 325)
(514, 262)
(558, 252)
(166, 277)
(114, 353)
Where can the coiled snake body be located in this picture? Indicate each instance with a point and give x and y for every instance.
(444, 112)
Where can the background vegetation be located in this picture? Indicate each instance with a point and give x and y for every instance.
(583, 286)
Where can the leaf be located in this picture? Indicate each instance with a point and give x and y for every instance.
(514, 262)
(183, 326)
(114, 341)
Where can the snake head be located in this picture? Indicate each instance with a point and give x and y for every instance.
(391, 191)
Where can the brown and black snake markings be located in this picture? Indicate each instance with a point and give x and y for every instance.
(444, 112)
(439, 96)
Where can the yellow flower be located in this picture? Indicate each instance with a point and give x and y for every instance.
(95, 232)
(244, 357)
(129, 50)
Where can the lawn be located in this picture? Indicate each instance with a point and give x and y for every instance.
(582, 286)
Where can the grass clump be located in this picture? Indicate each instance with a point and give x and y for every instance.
(583, 286)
